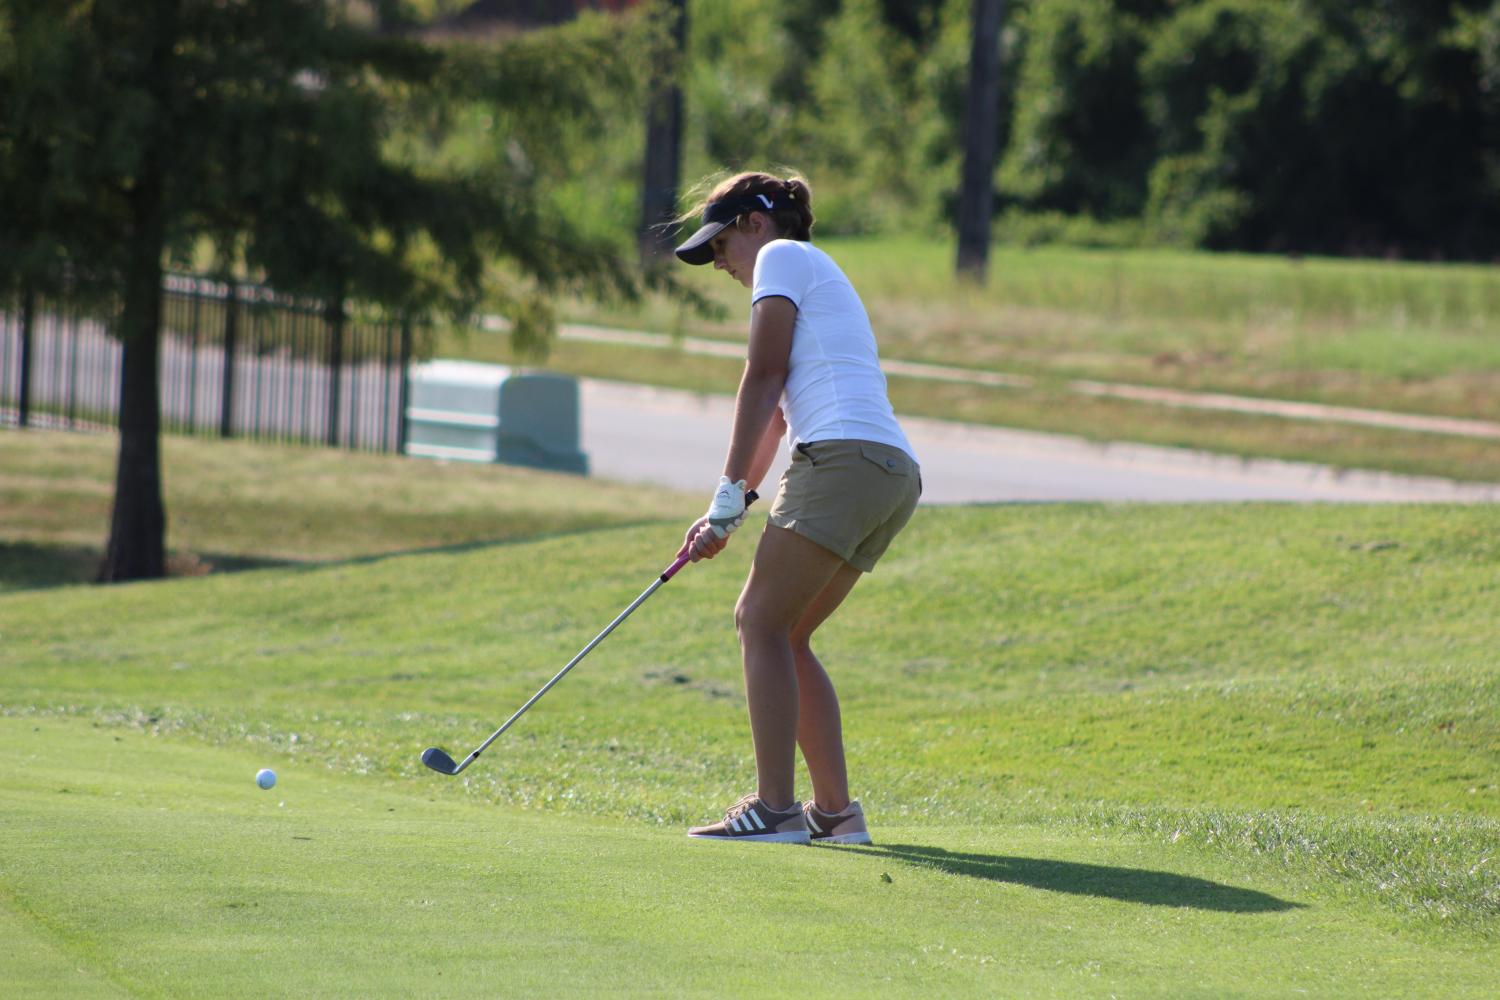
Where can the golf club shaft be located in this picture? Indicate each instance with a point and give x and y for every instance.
(571, 664)
(666, 575)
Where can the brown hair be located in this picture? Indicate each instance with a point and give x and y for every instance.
(794, 221)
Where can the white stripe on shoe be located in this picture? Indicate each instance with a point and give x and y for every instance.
(746, 823)
(807, 815)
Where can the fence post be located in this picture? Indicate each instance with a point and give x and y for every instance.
(335, 318)
(28, 316)
(405, 392)
(231, 348)
(192, 380)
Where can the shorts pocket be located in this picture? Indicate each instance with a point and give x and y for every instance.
(890, 460)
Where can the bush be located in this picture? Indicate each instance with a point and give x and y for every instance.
(1029, 229)
(1079, 141)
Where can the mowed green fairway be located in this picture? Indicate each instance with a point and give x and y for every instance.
(142, 866)
(1134, 751)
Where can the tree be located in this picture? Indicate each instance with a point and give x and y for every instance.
(976, 197)
(663, 156)
(1351, 127)
(40, 190)
(147, 129)
(1079, 143)
(1325, 126)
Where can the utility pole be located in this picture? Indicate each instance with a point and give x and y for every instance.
(664, 140)
(976, 197)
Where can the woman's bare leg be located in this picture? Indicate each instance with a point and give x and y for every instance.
(786, 578)
(820, 731)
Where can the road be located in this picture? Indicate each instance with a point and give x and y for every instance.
(678, 439)
(1156, 395)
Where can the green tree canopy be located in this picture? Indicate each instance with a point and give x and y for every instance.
(1342, 126)
(135, 132)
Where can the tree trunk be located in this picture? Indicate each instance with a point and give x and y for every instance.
(976, 198)
(663, 143)
(138, 524)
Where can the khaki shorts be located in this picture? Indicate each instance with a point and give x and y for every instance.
(851, 497)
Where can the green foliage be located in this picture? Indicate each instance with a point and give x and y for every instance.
(1078, 144)
(1478, 32)
(868, 111)
(860, 114)
(133, 133)
(1033, 229)
(941, 88)
(45, 190)
(282, 119)
(1367, 127)
(1232, 111)
(1324, 127)
(1219, 123)
(741, 59)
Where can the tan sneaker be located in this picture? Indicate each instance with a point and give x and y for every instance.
(848, 827)
(750, 819)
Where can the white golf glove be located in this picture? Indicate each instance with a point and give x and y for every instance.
(727, 512)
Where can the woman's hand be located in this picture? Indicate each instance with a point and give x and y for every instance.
(701, 542)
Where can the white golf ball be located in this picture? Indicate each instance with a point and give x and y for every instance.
(265, 778)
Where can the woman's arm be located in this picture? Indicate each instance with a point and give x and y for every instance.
(765, 453)
(758, 420)
(758, 402)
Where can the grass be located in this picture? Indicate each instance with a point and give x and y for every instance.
(1051, 407)
(1206, 750)
(1239, 750)
(1391, 335)
(1416, 338)
(235, 504)
(356, 886)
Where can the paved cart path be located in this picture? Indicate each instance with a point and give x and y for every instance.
(675, 438)
(1287, 409)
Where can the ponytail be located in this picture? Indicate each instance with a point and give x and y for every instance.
(792, 198)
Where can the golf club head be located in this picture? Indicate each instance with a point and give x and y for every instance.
(439, 761)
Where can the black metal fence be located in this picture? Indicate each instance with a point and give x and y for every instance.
(236, 361)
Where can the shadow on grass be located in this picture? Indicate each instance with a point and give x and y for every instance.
(1128, 885)
(28, 566)
(37, 566)
(522, 537)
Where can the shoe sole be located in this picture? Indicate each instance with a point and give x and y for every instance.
(845, 838)
(795, 837)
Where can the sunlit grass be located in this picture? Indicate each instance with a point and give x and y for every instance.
(1393, 335)
(236, 503)
(1305, 683)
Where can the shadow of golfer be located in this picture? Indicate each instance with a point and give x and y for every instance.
(1128, 885)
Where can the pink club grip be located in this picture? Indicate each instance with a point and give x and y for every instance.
(671, 570)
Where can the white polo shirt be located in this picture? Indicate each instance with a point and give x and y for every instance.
(835, 389)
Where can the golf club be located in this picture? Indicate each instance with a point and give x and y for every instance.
(438, 759)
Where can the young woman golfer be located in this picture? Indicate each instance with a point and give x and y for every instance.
(811, 374)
